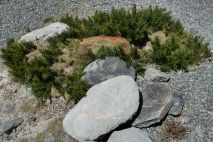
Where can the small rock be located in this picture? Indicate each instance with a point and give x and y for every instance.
(46, 32)
(129, 135)
(155, 75)
(157, 101)
(8, 126)
(106, 106)
(31, 119)
(177, 106)
(104, 69)
(49, 138)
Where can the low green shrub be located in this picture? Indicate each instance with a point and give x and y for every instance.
(178, 54)
(135, 25)
(14, 57)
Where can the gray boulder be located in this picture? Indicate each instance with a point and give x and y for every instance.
(106, 106)
(104, 69)
(155, 75)
(157, 101)
(129, 135)
(177, 106)
(8, 126)
(46, 32)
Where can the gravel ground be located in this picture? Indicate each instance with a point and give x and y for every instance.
(196, 86)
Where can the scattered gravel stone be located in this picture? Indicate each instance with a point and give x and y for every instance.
(196, 89)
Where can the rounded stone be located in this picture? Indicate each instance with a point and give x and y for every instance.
(129, 135)
(106, 106)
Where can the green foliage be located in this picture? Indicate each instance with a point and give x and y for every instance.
(178, 54)
(76, 87)
(157, 19)
(133, 25)
(14, 57)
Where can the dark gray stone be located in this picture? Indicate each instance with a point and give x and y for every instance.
(177, 106)
(129, 135)
(157, 101)
(155, 75)
(8, 126)
(104, 69)
(106, 106)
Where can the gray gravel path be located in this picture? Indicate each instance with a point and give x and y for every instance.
(196, 88)
(196, 15)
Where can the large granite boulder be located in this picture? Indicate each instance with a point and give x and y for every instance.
(129, 135)
(155, 75)
(8, 126)
(104, 69)
(106, 106)
(46, 32)
(157, 101)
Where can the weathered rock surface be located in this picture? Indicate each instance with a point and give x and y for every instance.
(104, 69)
(97, 42)
(8, 126)
(155, 75)
(46, 32)
(177, 106)
(129, 135)
(106, 106)
(157, 101)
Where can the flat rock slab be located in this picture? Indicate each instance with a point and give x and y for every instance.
(46, 32)
(155, 75)
(157, 101)
(10, 125)
(106, 106)
(104, 69)
(129, 135)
